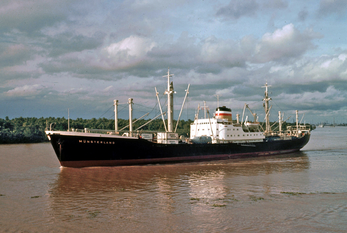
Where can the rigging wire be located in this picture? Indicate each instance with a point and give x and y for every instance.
(155, 109)
(105, 112)
(142, 108)
(277, 106)
(119, 110)
(145, 107)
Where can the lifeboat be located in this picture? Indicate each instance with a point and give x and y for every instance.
(252, 125)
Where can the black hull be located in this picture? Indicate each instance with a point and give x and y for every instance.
(85, 151)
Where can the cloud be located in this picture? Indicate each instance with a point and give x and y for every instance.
(226, 53)
(331, 99)
(109, 89)
(308, 73)
(303, 14)
(275, 4)
(128, 52)
(284, 44)
(237, 9)
(144, 57)
(14, 54)
(331, 7)
(31, 15)
(90, 52)
(327, 69)
(25, 91)
(126, 55)
(68, 42)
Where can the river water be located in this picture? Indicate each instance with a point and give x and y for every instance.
(298, 192)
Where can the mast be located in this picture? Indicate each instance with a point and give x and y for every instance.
(267, 109)
(297, 122)
(115, 103)
(205, 108)
(130, 117)
(68, 120)
(279, 122)
(169, 93)
(161, 111)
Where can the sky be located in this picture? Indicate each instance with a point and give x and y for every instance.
(78, 56)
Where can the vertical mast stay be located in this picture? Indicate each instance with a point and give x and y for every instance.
(267, 109)
(179, 116)
(169, 93)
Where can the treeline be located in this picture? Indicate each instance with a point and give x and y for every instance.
(31, 129)
(22, 130)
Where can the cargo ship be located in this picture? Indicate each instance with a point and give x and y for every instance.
(211, 138)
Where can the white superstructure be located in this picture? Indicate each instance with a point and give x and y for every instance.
(221, 129)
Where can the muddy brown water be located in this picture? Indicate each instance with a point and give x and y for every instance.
(298, 192)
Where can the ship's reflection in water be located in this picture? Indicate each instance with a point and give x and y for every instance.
(174, 197)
